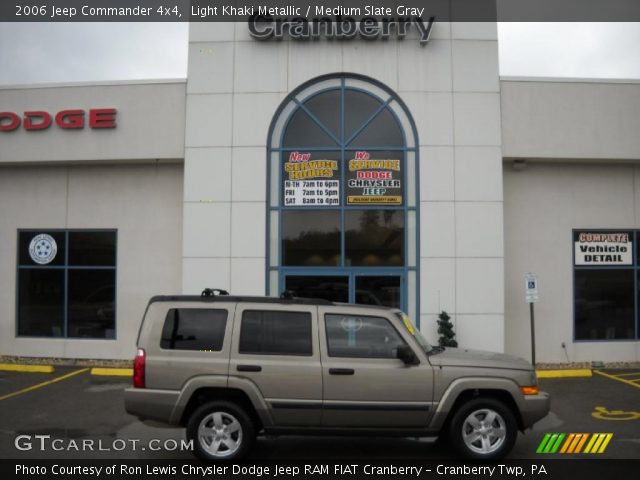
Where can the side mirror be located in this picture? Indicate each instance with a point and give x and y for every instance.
(406, 354)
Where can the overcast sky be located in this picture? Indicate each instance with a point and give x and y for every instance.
(56, 52)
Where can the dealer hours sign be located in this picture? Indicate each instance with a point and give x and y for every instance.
(311, 179)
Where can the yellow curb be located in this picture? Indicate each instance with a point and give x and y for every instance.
(569, 373)
(112, 372)
(16, 367)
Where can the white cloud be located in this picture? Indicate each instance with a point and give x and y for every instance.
(598, 50)
(68, 52)
(65, 52)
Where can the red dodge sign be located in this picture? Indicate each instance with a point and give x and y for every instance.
(65, 119)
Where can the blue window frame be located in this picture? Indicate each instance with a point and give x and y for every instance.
(353, 140)
(66, 283)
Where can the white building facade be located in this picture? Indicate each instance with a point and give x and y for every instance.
(393, 172)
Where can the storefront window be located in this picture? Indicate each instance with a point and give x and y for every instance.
(605, 285)
(66, 283)
(343, 207)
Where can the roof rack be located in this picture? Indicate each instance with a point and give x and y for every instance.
(210, 292)
(220, 295)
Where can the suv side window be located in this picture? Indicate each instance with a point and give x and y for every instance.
(194, 329)
(361, 337)
(271, 332)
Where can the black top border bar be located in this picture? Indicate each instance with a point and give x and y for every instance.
(242, 10)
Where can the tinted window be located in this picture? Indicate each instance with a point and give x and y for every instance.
(363, 337)
(41, 302)
(67, 283)
(92, 248)
(194, 329)
(604, 304)
(91, 304)
(332, 288)
(275, 333)
(374, 237)
(311, 238)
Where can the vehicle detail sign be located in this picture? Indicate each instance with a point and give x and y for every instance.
(603, 248)
(372, 181)
(311, 182)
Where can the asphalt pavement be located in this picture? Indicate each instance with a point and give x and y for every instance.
(73, 414)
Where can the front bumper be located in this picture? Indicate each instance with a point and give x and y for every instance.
(534, 408)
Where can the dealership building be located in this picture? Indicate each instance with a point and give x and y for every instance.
(401, 171)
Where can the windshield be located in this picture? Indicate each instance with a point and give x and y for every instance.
(415, 332)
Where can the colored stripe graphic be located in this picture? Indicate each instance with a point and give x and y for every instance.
(573, 443)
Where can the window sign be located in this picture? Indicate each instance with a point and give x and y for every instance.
(603, 248)
(374, 181)
(311, 179)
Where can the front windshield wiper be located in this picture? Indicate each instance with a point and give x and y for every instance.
(436, 350)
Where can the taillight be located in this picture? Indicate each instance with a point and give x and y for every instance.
(138, 369)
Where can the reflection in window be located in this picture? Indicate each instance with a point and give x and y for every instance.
(311, 238)
(92, 304)
(374, 237)
(275, 333)
(194, 329)
(378, 290)
(361, 337)
(332, 288)
(604, 304)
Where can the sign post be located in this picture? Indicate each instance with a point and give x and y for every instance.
(531, 288)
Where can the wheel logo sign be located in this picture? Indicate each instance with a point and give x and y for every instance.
(43, 249)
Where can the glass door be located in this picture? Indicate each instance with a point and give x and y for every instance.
(384, 289)
(378, 290)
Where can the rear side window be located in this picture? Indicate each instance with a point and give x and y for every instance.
(275, 333)
(361, 337)
(194, 329)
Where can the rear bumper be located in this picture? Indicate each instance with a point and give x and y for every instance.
(150, 404)
(534, 408)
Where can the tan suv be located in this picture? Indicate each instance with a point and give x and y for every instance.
(229, 368)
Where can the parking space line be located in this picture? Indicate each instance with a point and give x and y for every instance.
(613, 377)
(43, 384)
(628, 374)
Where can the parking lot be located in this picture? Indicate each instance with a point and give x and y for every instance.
(77, 408)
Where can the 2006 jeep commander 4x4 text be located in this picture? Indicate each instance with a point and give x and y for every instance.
(228, 368)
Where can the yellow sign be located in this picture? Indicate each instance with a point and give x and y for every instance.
(354, 199)
(407, 323)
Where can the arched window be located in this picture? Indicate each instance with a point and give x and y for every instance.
(342, 220)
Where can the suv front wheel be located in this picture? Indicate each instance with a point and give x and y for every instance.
(483, 429)
(220, 431)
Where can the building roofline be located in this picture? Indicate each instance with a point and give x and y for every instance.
(505, 78)
(98, 83)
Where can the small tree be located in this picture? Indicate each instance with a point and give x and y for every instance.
(445, 329)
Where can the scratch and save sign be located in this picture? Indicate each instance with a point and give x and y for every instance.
(610, 248)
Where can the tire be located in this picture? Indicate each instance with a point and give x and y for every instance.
(221, 431)
(483, 429)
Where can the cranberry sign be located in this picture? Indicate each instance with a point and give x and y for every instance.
(36, 120)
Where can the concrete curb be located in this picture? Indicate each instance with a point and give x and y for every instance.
(112, 372)
(18, 367)
(567, 373)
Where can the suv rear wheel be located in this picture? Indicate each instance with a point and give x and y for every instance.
(220, 431)
(483, 429)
